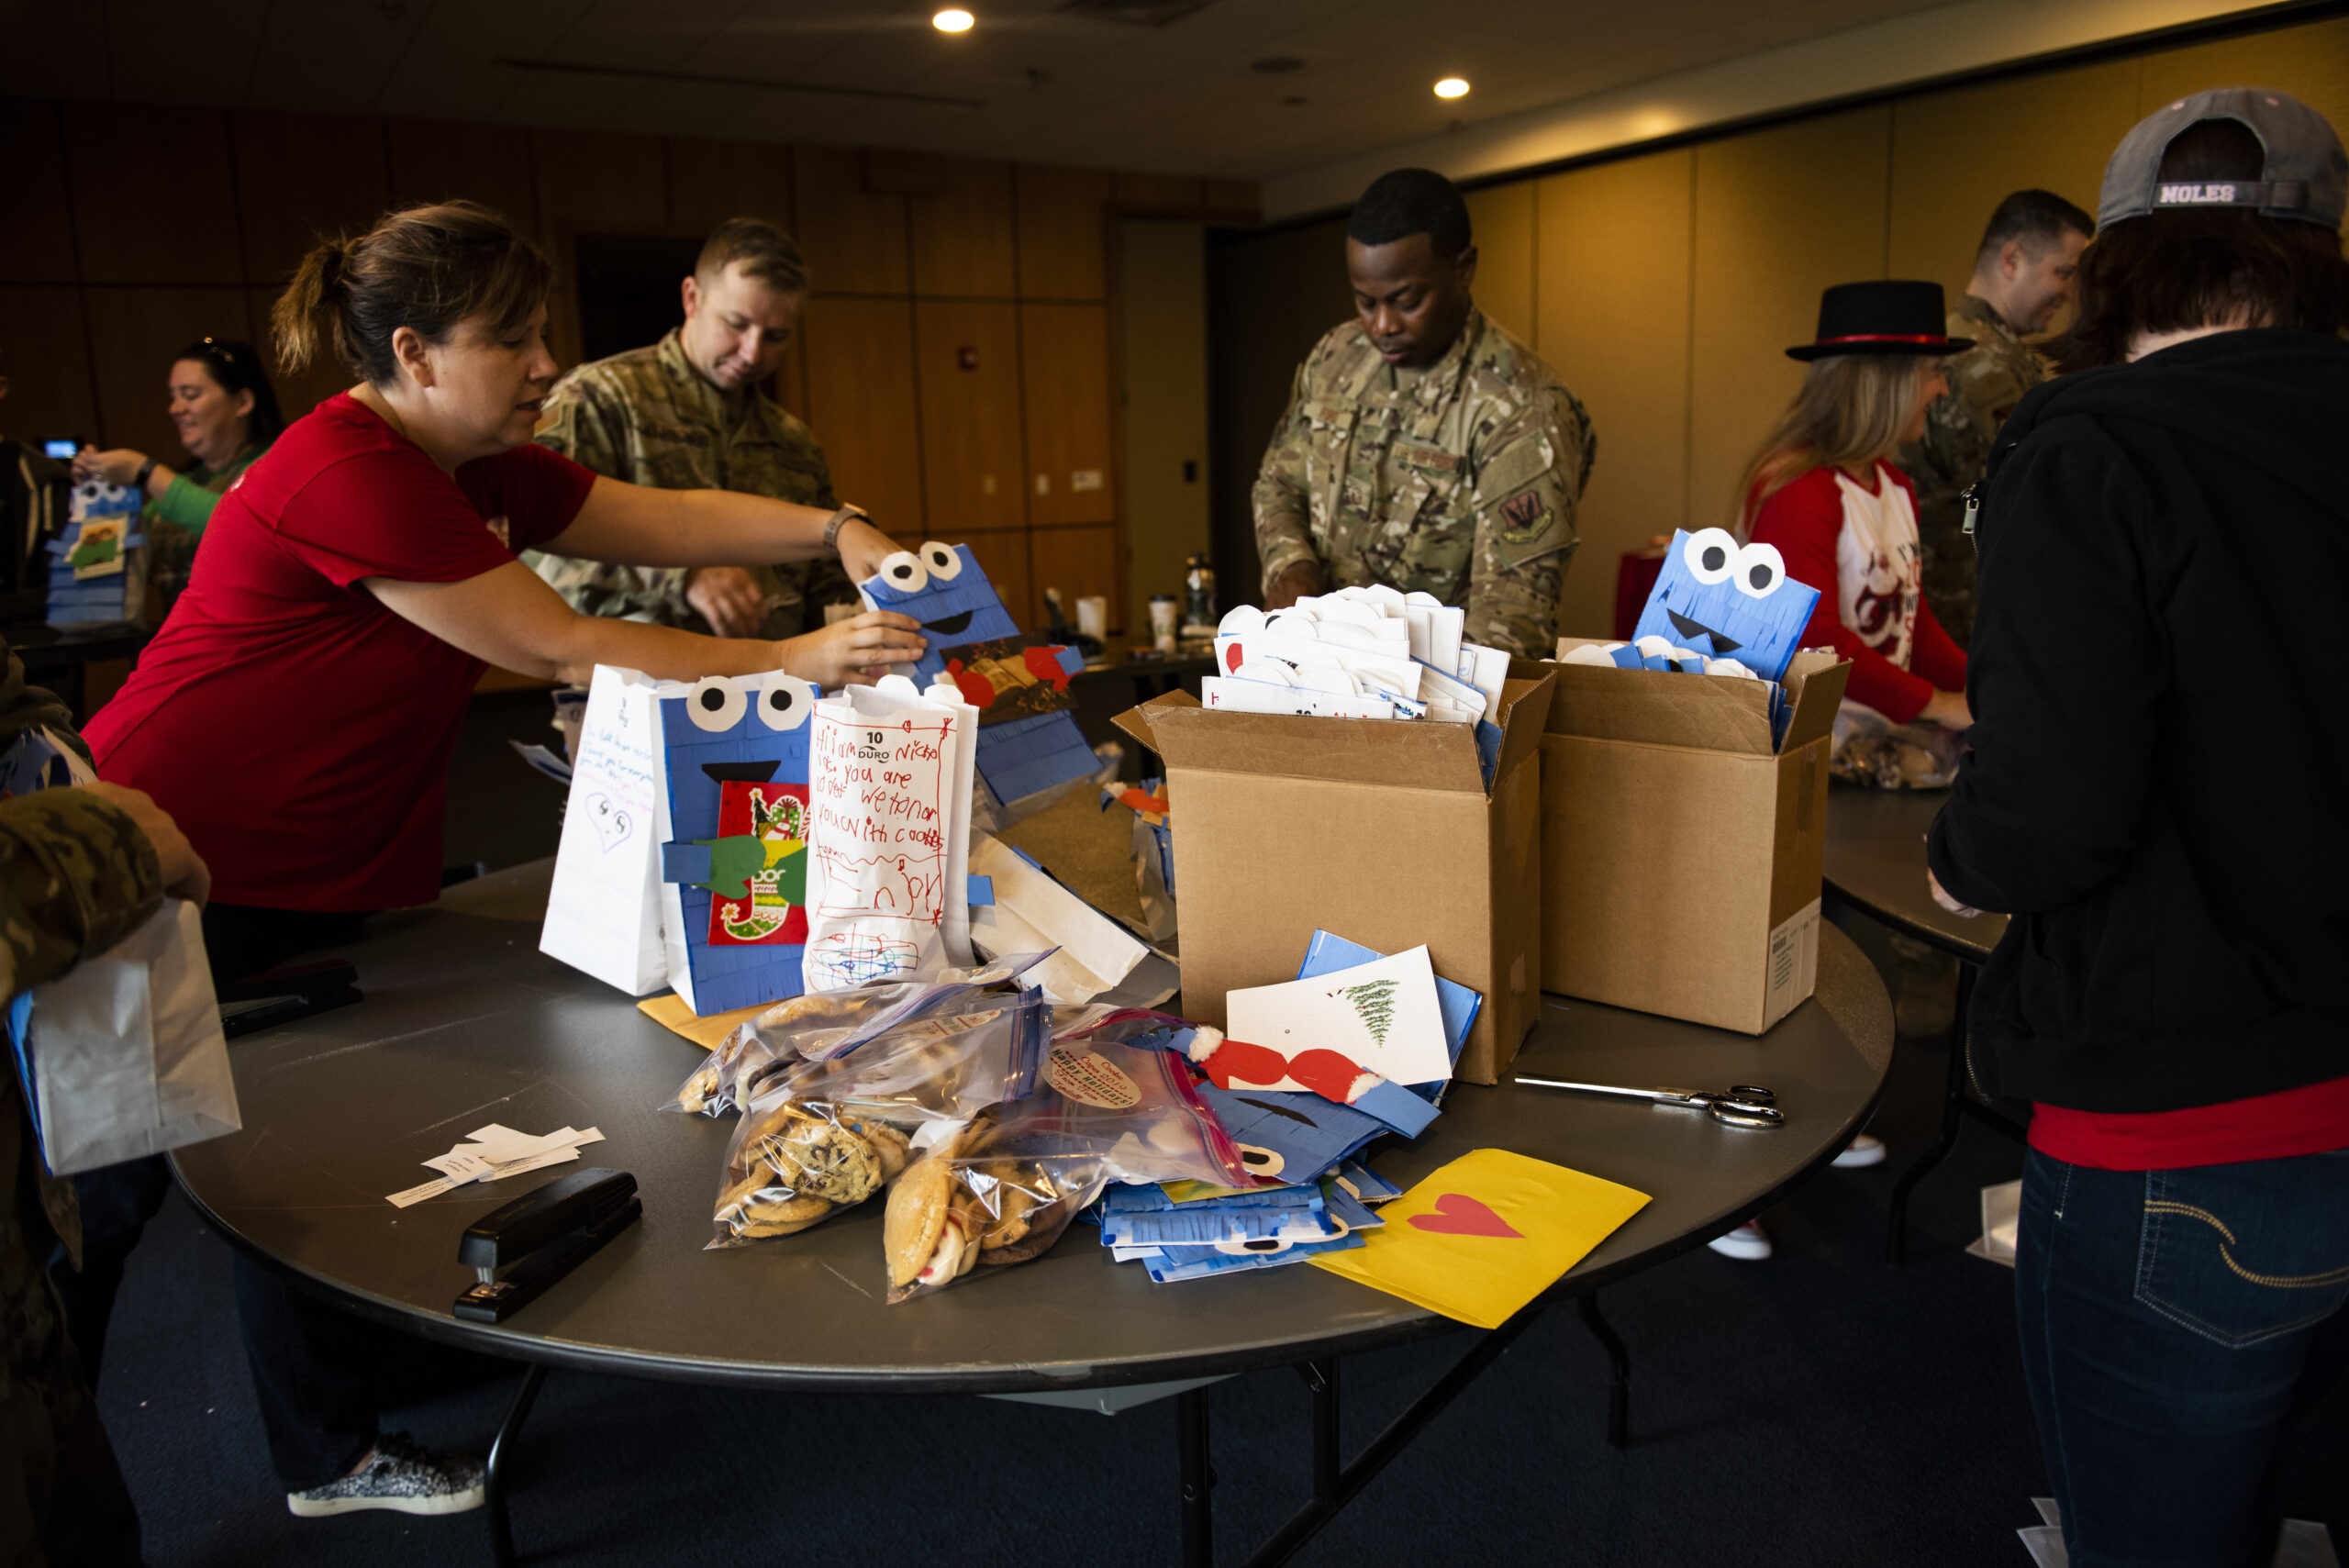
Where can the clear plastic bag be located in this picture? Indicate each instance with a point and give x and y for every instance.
(1003, 1190)
(824, 1136)
(824, 1025)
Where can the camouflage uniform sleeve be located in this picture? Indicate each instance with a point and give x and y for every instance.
(1529, 479)
(1283, 507)
(589, 424)
(1951, 453)
(76, 876)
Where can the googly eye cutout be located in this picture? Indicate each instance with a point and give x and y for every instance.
(904, 573)
(785, 701)
(1760, 570)
(1261, 1162)
(1710, 555)
(943, 561)
(715, 705)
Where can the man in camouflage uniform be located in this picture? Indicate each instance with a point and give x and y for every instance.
(688, 414)
(2024, 273)
(80, 869)
(1424, 447)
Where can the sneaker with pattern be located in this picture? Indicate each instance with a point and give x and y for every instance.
(399, 1475)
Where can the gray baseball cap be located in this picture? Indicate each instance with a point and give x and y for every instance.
(2306, 175)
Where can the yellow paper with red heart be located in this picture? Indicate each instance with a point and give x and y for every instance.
(1486, 1234)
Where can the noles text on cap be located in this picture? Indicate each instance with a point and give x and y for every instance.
(2305, 176)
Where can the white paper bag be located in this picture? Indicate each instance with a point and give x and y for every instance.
(889, 811)
(604, 911)
(129, 1058)
(1098, 959)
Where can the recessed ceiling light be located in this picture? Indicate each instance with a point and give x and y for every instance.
(954, 21)
(1452, 87)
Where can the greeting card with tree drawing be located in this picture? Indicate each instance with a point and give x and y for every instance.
(1382, 1018)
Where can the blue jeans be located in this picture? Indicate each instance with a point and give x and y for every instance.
(2172, 1323)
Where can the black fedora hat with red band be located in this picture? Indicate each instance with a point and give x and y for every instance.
(1894, 318)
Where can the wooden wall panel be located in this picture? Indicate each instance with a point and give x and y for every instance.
(148, 200)
(296, 394)
(300, 177)
(710, 182)
(594, 182)
(971, 458)
(1003, 557)
(1781, 215)
(1615, 325)
(134, 332)
(963, 237)
(431, 161)
(36, 242)
(2312, 63)
(1501, 220)
(47, 364)
(855, 243)
(864, 409)
(1080, 562)
(1165, 479)
(1172, 193)
(1064, 364)
(1061, 232)
(1956, 154)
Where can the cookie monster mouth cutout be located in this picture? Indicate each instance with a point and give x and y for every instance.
(952, 626)
(1688, 627)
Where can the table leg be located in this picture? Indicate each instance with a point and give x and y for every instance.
(1618, 1356)
(501, 1532)
(1199, 1479)
(1322, 1378)
(1895, 1242)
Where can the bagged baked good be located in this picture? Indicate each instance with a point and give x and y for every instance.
(827, 1024)
(824, 1136)
(1002, 1190)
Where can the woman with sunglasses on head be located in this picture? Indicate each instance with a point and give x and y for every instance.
(226, 413)
(298, 710)
(1823, 493)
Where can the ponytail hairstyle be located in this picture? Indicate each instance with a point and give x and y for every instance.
(426, 268)
(1852, 411)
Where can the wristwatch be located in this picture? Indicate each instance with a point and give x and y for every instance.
(840, 520)
(146, 472)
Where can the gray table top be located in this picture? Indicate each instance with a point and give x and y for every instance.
(1875, 861)
(466, 1023)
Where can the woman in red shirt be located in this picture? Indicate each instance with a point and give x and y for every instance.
(297, 710)
(1824, 494)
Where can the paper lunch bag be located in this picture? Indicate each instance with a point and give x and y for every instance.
(126, 1054)
(604, 911)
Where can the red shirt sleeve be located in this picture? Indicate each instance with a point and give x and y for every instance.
(1803, 521)
(1933, 653)
(536, 490)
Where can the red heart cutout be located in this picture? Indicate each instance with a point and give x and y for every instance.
(1234, 658)
(1457, 1213)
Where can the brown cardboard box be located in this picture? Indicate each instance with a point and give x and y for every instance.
(1380, 832)
(1680, 851)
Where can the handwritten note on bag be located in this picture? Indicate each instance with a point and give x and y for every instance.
(881, 796)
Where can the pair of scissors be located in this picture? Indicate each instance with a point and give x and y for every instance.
(1741, 1104)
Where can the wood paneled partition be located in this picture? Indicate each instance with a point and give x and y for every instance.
(954, 357)
(1666, 286)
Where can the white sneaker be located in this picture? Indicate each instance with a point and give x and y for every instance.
(1748, 1244)
(401, 1476)
(1864, 1150)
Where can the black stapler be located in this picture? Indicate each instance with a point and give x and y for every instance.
(539, 1237)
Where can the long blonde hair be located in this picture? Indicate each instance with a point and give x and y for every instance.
(1853, 409)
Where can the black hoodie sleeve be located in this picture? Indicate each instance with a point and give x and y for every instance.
(2067, 663)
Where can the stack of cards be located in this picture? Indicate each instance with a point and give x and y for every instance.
(1184, 1231)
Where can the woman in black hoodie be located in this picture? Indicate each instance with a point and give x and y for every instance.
(2158, 791)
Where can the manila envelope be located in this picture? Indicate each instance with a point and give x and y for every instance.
(1486, 1234)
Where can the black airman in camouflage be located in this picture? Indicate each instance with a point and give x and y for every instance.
(1460, 479)
(1984, 384)
(647, 417)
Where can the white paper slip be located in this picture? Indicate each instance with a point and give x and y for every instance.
(419, 1194)
(1262, 697)
(493, 1152)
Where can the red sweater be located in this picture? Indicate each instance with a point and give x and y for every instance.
(1804, 522)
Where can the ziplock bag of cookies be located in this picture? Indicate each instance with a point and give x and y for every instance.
(824, 1136)
(1004, 1191)
(825, 1023)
